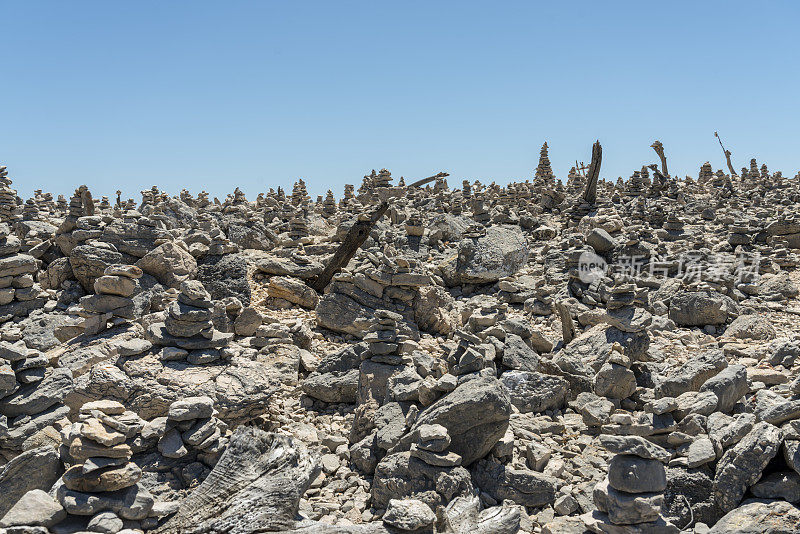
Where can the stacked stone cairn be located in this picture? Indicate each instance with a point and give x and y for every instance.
(17, 272)
(189, 326)
(9, 207)
(113, 298)
(191, 427)
(383, 339)
(432, 442)
(630, 497)
(24, 375)
(100, 477)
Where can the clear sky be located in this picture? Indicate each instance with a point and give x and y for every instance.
(211, 95)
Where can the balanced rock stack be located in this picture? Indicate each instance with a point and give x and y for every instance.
(432, 442)
(298, 227)
(622, 313)
(192, 428)
(384, 339)
(9, 208)
(113, 297)
(102, 478)
(188, 325)
(16, 274)
(479, 212)
(30, 395)
(630, 497)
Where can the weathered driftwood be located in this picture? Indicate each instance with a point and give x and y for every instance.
(350, 245)
(355, 238)
(590, 193)
(255, 487)
(659, 148)
(727, 155)
(420, 183)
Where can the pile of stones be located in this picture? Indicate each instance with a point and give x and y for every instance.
(101, 481)
(113, 297)
(20, 293)
(191, 427)
(189, 325)
(632, 493)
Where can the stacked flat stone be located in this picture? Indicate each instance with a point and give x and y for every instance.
(298, 227)
(629, 499)
(61, 204)
(299, 193)
(101, 477)
(414, 225)
(706, 174)
(113, 297)
(432, 442)
(740, 233)
(636, 186)
(544, 172)
(329, 205)
(349, 193)
(30, 212)
(753, 174)
(383, 339)
(16, 272)
(188, 325)
(30, 396)
(271, 334)
(220, 244)
(479, 212)
(192, 428)
(384, 179)
(466, 190)
(9, 208)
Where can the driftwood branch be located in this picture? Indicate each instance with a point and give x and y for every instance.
(590, 194)
(350, 245)
(727, 154)
(420, 183)
(659, 148)
(355, 238)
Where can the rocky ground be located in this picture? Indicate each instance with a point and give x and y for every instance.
(526, 358)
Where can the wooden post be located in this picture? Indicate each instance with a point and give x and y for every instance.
(590, 194)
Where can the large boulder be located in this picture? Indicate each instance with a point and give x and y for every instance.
(475, 414)
(741, 466)
(88, 263)
(523, 486)
(255, 487)
(694, 308)
(484, 260)
(402, 476)
(225, 276)
(759, 517)
(31, 470)
(535, 392)
(169, 263)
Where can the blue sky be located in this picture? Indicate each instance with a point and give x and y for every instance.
(211, 95)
